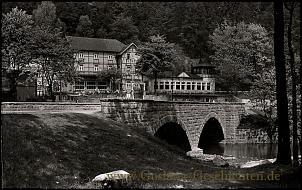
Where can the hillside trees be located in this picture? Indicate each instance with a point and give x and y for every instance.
(15, 32)
(187, 24)
(84, 28)
(241, 52)
(124, 30)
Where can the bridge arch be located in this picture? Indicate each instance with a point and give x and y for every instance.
(211, 130)
(173, 131)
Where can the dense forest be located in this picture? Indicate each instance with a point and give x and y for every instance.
(188, 25)
(185, 23)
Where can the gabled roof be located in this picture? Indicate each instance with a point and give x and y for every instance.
(96, 44)
(183, 74)
(127, 48)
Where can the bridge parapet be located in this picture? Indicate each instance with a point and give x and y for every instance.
(150, 114)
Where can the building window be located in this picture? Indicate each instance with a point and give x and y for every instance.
(110, 57)
(95, 56)
(193, 85)
(188, 85)
(167, 86)
(109, 66)
(79, 85)
(203, 86)
(128, 55)
(177, 85)
(161, 85)
(80, 67)
(198, 86)
(129, 86)
(81, 55)
(172, 85)
(91, 85)
(96, 68)
(102, 85)
(208, 86)
(183, 84)
(128, 69)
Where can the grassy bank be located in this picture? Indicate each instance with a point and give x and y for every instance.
(67, 150)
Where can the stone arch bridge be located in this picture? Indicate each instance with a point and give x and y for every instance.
(152, 115)
(191, 116)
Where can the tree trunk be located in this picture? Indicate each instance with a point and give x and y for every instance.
(300, 95)
(294, 89)
(14, 90)
(284, 152)
(300, 105)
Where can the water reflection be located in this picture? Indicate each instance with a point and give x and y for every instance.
(255, 151)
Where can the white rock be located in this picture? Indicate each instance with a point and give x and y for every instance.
(119, 174)
(178, 187)
(257, 163)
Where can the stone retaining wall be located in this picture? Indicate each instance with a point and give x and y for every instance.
(47, 106)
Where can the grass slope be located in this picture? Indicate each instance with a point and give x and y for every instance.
(65, 150)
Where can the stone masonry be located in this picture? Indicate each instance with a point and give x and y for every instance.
(151, 115)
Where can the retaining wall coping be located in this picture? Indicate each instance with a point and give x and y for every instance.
(122, 100)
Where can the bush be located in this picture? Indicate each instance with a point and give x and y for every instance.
(255, 122)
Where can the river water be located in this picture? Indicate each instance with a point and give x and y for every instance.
(243, 151)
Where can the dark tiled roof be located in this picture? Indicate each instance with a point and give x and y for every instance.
(96, 44)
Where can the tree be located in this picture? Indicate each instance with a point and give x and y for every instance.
(263, 96)
(45, 14)
(156, 56)
(290, 9)
(15, 32)
(84, 28)
(124, 30)
(54, 57)
(240, 52)
(51, 51)
(111, 75)
(284, 151)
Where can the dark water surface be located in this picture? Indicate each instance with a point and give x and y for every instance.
(251, 151)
